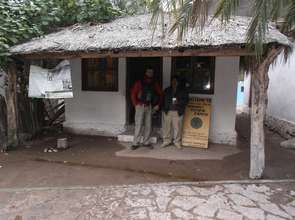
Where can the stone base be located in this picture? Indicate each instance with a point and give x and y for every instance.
(100, 129)
(229, 138)
(284, 128)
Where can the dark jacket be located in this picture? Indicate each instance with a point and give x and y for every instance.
(182, 99)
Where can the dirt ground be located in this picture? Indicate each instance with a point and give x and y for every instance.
(91, 161)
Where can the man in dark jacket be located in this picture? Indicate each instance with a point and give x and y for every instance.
(146, 96)
(175, 101)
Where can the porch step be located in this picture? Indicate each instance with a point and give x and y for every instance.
(128, 135)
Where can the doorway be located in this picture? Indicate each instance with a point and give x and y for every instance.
(136, 67)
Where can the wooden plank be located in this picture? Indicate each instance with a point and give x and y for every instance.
(142, 53)
(12, 119)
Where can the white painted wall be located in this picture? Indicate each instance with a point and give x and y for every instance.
(223, 112)
(223, 117)
(104, 113)
(96, 113)
(281, 92)
(247, 89)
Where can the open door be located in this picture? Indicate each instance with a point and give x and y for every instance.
(135, 71)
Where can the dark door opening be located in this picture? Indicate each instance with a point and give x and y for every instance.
(135, 71)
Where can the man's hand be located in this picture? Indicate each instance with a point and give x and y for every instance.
(156, 108)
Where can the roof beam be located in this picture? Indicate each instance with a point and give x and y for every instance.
(141, 53)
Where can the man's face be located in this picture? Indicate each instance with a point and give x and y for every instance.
(174, 83)
(149, 75)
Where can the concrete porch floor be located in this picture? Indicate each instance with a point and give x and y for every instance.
(93, 161)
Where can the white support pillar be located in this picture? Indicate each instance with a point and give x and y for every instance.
(167, 69)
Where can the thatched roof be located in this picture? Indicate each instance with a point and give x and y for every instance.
(135, 33)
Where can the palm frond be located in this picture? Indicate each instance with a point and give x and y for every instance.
(258, 26)
(289, 19)
(226, 8)
(186, 14)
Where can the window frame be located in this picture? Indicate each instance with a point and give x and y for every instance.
(211, 91)
(84, 75)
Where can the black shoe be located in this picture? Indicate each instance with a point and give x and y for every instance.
(134, 147)
(150, 146)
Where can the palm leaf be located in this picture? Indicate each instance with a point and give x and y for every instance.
(226, 8)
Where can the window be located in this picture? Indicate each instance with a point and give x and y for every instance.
(197, 71)
(100, 74)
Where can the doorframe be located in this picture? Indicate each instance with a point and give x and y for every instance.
(162, 69)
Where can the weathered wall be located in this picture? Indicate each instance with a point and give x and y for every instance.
(281, 103)
(104, 113)
(91, 112)
(280, 114)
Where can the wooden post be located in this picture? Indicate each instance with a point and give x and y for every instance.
(12, 124)
(259, 86)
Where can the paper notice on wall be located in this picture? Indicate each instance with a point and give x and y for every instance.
(51, 83)
(196, 123)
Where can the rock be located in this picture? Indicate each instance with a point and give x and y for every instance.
(228, 215)
(162, 202)
(138, 202)
(273, 217)
(18, 217)
(207, 210)
(289, 209)
(241, 200)
(292, 193)
(274, 209)
(290, 144)
(160, 216)
(250, 213)
(187, 202)
(62, 143)
(182, 214)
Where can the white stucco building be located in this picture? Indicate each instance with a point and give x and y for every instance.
(106, 59)
(105, 113)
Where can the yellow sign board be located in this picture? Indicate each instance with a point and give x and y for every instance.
(196, 123)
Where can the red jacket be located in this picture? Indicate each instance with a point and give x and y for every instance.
(138, 88)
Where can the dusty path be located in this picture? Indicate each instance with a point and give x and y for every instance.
(93, 161)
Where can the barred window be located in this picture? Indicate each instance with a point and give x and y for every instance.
(100, 74)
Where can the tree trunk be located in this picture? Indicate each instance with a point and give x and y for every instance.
(12, 125)
(3, 123)
(259, 86)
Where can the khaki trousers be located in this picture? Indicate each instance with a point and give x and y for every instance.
(172, 123)
(143, 124)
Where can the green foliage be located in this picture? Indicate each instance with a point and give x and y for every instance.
(23, 19)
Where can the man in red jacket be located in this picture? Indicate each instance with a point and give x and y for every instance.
(146, 96)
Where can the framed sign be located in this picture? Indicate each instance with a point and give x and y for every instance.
(196, 123)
